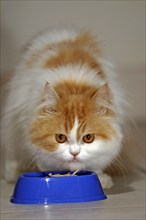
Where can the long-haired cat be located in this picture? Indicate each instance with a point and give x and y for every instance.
(63, 110)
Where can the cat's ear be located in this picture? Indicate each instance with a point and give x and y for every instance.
(103, 93)
(50, 97)
(103, 98)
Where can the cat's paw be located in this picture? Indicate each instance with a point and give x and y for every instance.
(105, 180)
(11, 171)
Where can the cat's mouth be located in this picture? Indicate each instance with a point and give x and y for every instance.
(75, 164)
(75, 159)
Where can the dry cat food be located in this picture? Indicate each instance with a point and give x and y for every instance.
(60, 175)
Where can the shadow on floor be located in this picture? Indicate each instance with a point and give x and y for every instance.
(122, 184)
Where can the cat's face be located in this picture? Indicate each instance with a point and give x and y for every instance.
(75, 131)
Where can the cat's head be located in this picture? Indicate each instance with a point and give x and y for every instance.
(75, 127)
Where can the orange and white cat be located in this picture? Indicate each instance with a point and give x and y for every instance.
(63, 110)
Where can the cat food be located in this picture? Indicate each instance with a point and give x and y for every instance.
(66, 174)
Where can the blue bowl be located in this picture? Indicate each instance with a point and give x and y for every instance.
(39, 188)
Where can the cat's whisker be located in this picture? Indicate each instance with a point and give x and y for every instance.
(120, 168)
(32, 161)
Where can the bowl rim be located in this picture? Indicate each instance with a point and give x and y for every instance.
(44, 174)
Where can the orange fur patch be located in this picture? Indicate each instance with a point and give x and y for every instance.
(80, 51)
(72, 56)
(97, 125)
(43, 131)
(83, 49)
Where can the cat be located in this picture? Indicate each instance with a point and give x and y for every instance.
(64, 109)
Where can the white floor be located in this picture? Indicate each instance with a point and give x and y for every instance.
(126, 200)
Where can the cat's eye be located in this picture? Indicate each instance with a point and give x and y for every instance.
(88, 138)
(60, 138)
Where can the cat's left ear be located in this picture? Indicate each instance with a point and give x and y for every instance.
(50, 97)
(103, 93)
(103, 98)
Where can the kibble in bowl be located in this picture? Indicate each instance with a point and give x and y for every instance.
(65, 174)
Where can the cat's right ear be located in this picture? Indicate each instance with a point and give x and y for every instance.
(50, 98)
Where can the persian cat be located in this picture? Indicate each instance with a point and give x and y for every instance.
(63, 109)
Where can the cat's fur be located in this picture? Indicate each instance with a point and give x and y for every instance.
(62, 85)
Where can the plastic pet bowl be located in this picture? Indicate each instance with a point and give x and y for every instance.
(39, 188)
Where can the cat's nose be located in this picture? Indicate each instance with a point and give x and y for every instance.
(74, 153)
(74, 150)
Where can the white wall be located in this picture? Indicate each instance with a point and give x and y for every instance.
(119, 24)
